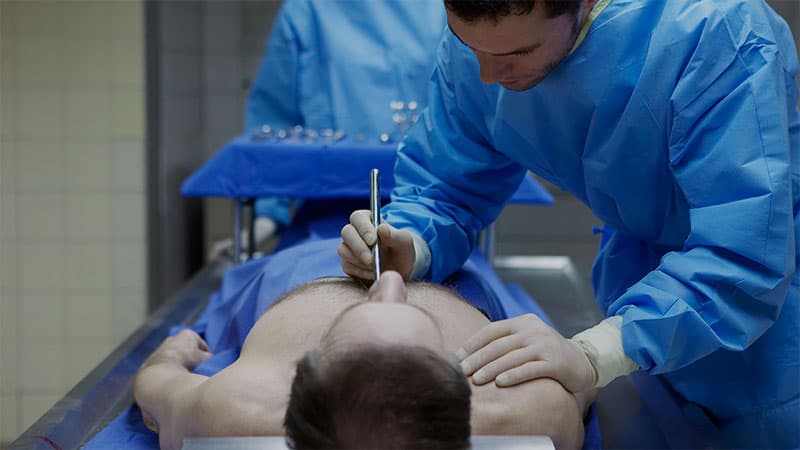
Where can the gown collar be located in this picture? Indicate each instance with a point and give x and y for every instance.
(596, 10)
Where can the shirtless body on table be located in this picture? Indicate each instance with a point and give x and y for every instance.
(250, 397)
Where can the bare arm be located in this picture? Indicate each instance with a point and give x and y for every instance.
(165, 385)
(240, 400)
(540, 407)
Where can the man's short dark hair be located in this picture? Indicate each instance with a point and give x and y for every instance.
(378, 397)
(494, 10)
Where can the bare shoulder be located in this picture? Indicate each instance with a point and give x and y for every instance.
(244, 399)
(540, 407)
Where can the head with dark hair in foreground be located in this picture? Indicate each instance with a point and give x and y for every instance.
(381, 378)
(379, 397)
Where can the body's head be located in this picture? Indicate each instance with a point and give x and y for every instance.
(378, 397)
(517, 42)
(380, 378)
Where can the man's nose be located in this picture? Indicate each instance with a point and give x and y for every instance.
(390, 288)
(489, 68)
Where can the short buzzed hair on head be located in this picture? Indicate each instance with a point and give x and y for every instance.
(494, 10)
(378, 397)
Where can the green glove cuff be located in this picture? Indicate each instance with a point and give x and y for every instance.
(602, 345)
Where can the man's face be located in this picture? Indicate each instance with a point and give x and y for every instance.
(518, 51)
(385, 318)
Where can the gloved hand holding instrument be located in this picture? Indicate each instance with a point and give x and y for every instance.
(362, 256)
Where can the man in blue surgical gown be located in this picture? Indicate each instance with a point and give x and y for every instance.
(676, 122)
(337, 64)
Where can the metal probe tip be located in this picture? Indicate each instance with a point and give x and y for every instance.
(375, 214)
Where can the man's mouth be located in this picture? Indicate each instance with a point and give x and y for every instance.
(509, 82)
(514, 84)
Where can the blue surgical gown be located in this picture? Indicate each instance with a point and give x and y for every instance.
(338, 63)
(676, 122)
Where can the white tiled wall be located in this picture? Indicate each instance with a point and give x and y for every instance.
(72, 213)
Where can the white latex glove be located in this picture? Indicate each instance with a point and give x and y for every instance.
(358, 237)
(523, 348)
(263, 228)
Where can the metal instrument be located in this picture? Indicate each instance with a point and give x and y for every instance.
(375, 214)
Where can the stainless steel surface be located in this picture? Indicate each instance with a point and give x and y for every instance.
(375, 211)
(488, 243)
(106, 390)
(564, 293)
(279, 443)
(237, 230)
(511, 442)
(557, 285)
(250, 205)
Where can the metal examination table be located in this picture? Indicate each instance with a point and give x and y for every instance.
(627, 419)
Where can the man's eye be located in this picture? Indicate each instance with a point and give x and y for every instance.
(523, 52)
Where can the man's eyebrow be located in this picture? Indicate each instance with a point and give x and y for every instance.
(512, 52)
(430, 316)
(357, 304)
(338, 319)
